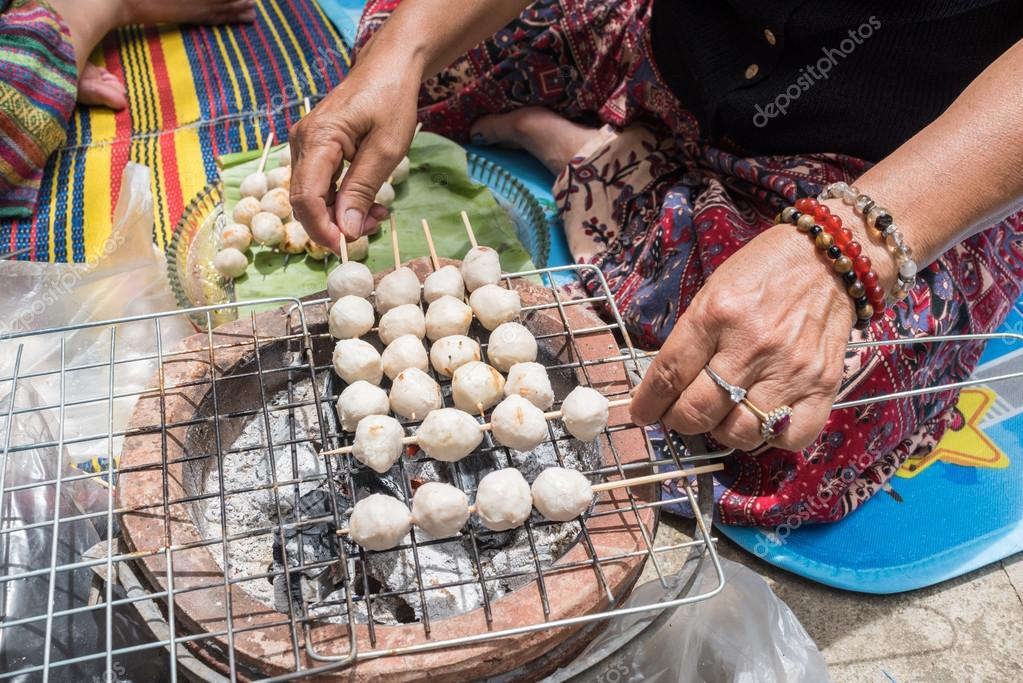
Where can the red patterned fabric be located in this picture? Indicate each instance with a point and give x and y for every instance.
(657, 208)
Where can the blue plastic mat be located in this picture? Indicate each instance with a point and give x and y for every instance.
(962, 506)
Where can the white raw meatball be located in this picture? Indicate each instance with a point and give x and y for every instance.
(402, 320)
(510, 343)
(277, 202)
(284, 156)
(267, 229)
(407, 351)
(503, 500)
(447, 316)
(350, 317)
(531, 382)
(359, 249)
(401, 171)
(449, 434)
(517, 423)
(355, 359)
(584, 413)
(377, 442)
(254, 185)
(358, 400)
(230, 263)
(444, 282)
(476, 386)
(440, 510)
(350, 278)
(401, 286)
(245, 210)
(279, 177)
(315, 251)
(414, 394)
(236, 236)
(450, 353)
(561, 494)
(385, 195)
(295, 238)
(481, 266)
(494, 305)
(379, 522)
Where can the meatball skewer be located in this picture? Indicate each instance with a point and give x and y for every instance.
(504, 500)
(518, 401)
(444, 280)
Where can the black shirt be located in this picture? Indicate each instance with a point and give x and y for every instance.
(803, 76)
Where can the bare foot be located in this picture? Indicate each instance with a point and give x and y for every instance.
(97, 86)
(188, 11)
(549, 137)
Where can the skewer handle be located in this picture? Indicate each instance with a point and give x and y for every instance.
(343, 248)
(308, 105)
(468, 230)
(654, 478)
(394, 242)
(430, 246)
(266, 150)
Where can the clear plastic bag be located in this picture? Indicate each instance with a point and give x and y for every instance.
(744, 634)
(128, 278)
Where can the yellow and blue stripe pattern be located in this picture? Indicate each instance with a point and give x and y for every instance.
(194, 94)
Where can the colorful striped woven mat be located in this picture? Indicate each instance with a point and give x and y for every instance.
(194, 93)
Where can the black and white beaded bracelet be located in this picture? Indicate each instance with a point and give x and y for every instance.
(881, 220)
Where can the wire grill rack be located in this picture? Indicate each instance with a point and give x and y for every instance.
(111, 579)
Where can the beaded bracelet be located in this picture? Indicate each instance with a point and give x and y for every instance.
(880, 219)
(813, 218)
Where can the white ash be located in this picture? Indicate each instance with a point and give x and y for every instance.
(439, 563)
(251, 468)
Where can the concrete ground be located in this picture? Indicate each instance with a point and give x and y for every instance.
(966, 629)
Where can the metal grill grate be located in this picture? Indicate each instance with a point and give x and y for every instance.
(152, 557)
(68, 391)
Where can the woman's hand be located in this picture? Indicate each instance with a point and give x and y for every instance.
(368, 120)
(774, 319)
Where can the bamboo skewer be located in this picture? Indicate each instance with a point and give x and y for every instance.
(485, 427)
(394, 242)
(430, 246)
(468, 230)
(625, 483)
(308, 106)
(343, 248)
(266, 151)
